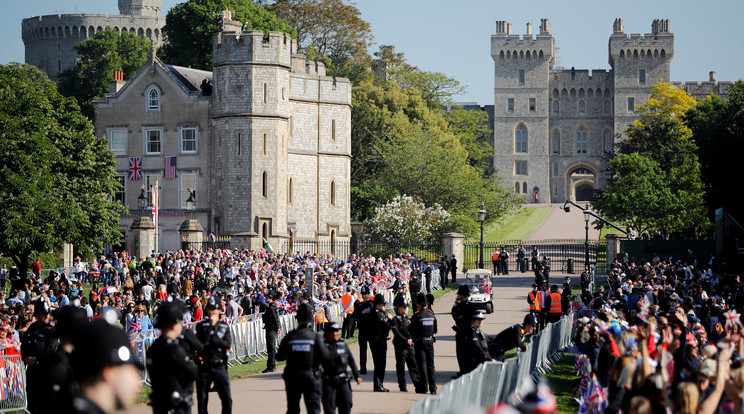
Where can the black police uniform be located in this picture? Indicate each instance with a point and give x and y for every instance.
(171, 371)
(361, 320)
(336, 380)
(404, 353)
(507, 339)
(271, 324)
(305, 353)
(378, 336)
(423, 328)
(477, 349)
(38, 346)
(461, 312)
(213, 364)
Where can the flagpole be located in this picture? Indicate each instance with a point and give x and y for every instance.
(155, 213)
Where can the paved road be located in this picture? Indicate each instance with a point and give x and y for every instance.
(562, 225)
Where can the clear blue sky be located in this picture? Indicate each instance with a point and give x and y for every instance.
(453, 37)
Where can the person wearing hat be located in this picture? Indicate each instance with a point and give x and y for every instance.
(336, 379)
(106, 370)
(477, 344)
(170, 367)
(305, 353)
(37, 342)
(504, 261)
(271, 325)
(214, 334)
(461, 313)
(362, 309)
(378, 336)
(403, 345)
(511, 337)
(453, 268)
(423, 328)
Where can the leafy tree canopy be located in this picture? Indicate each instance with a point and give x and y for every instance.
(99, 57)
(57, 178)
(190, 26)
(665, 102)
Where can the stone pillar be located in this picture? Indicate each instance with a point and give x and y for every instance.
(613, 246)
(454, 243)
(192, 234)
(355, 242)
(142, 237)
(66, 255)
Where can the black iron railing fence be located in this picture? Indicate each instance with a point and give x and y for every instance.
(565, 255)
(430, 251)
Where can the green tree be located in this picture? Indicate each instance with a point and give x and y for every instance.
(473, 130)
(57, 178)
(99, 57)
(190, 26)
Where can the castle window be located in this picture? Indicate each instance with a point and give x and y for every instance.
(291, 126)
(642, 76)
(265, 93)
(153, 141)
(333, 193)
(521, 76)
(188, 140)
(520, 168)
(532, 104)
(290, 192)
(510, 105)
(118, 141)
(153, 100)
(120, 193)
(607, 107)
(631, 104)
(556, 107)
(555, 169)
(520, 140)
(516, 187)
(555, 189)
(264, 184)
(582, 107)
(607, 141)
(524, 187)
(188, 182)
(556, 142)
(265, 145)
(581, 141)
(150, 181)
(333, 129)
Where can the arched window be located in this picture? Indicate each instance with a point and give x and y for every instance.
(516, 187)
(556, 107)
(264, 184)
(153, 100)
(582, 107)
(607, 107)
(333, 129)
(520, 139)
(607, 141)
(524, 187)
(333, 193)
(555, 144)
(265, 145)
(581, 141)
(290, 195)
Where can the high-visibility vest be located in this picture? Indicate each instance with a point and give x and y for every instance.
(495, 256)
(535, 298)
(347, 302)
(320, 317)
(555, 303)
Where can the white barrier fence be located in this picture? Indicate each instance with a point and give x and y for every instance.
(13, 396)
(494, 382)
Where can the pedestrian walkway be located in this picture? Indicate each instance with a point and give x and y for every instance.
(267, 390)
(562, 225)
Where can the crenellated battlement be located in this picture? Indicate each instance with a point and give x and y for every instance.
(594, 77)
(659, 44)
(252, 46)
(508, 46)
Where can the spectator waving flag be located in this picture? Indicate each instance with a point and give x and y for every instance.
(135, 168)
(170, 167)
(732, 318)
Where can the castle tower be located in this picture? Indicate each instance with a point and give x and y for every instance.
(638, 62)
(249, 124)
(140, 7)
(521, 108)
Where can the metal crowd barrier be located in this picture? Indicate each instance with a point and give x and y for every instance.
(13, 396)
(493, 382)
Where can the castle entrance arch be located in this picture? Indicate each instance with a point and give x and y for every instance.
(582, 181)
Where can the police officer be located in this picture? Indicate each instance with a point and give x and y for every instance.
(271, 325)
(461, 312)
(170, 367)
(378, 336)
(403, 345)
(521, 260)
(362, 310)
(477, 343)
(511, 337)
(214, 334)
(39, 341)
(336, 379)
(423, 328)
(105, 368)
(305, 354)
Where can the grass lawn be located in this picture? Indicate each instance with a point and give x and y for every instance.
(561, 383)
(517, 225)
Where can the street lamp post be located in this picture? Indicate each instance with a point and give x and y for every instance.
(142, 201)
(191, 203)
(587, 215)
(481, 219)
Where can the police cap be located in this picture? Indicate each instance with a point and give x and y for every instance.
(529, 319)
(380, 300)
(214, 303)
(169, 314)
(400, 301)
(99, 345)
(41, 307)
(429, 299)
(463, 290)
(364, 290)
(421, 299)
(304, 313)
(69, 321)
(332, 327)
(478, 315)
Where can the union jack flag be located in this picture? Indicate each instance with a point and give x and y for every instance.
(135, 326)
(170, 167)
(135, 168)
(732, 318)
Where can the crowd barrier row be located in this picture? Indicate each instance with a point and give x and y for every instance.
(494, 382)
(12, 384)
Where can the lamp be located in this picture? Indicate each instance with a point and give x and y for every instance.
(587, 215)
(191, 203)
(481, 219)
(142, 201)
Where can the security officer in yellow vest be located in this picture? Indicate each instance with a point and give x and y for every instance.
(336, 379)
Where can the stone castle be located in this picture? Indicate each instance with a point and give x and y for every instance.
(49, 40)
(553, 128)
(264, 142)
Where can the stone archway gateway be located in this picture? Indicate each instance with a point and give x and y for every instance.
(582, 183)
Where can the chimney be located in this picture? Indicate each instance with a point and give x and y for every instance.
(529, 29)
(118, 82)
(712, 76)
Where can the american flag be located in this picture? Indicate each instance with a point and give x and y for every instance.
(135, 168)
(170, 167)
